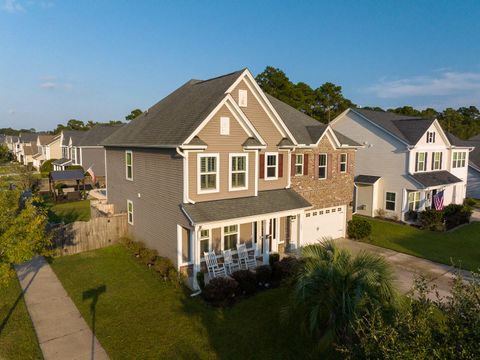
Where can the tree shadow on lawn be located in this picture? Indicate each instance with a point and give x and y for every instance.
(252, 328)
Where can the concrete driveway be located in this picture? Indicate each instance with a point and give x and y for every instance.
(406, 267)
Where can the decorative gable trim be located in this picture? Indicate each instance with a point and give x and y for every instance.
(264, 103)
(237, 113)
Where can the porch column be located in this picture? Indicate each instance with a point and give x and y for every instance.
(196, 256)
(266, 241)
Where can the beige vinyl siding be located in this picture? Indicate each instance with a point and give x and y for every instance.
(283, 228)
(222, 145)
(364, 199)
(156, 193)
(55, 149)
(185, 245)
(94, 157)
(267, 130)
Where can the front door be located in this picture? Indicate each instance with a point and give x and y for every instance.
(292, 233)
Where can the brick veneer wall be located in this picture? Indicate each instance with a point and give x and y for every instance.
(337, 189)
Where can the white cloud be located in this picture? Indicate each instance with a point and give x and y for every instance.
(54, 83)
(447, 83)
(48, 85)
(12, 6)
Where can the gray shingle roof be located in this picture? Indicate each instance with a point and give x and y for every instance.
(265, 203)
(474, 156)
(96, 135)
(67, 175)
(285, 143)
(407, 128)
(175, 117)
(61, 161)
(27, 137)
(197, 141)
(366, 179)
(251, 141)
(76, 135)
(46, 139)
(436, 178)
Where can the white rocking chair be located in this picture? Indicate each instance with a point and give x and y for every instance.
(214, 269)
(230, 264)
(250, 262)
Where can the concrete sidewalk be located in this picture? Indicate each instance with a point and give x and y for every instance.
(407, 267)
(61, 330)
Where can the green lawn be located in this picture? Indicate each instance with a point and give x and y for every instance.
(140, 316)
(17, 336)
(69, 212)
(462, 246)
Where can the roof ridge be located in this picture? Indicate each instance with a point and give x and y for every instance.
(218, 77)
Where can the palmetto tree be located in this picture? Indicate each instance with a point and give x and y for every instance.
(333, 288)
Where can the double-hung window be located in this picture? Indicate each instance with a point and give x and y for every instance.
(343, 163)
(271, 166)
(238, 171)
(414, 200)
(322, 166)
(130, 212)
(129, 165)
(421, 161)
(437, 161)
(299, 164)
(390, 201)
(459, 159)
(208, 166)
(230, 237)
(204, 241)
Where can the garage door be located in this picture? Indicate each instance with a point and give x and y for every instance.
(323, 223)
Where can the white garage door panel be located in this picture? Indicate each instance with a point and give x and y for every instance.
(323, 223)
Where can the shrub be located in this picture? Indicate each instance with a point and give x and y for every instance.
(411, 215)
(246, 280)
(456, 215)
(164, 267)
(148, 256)
(263, 275)
(137, 248)
(128, 242)
(201, 280)
(273, 258)
(470, 202)
(359, 228)
(221, 291)
(285, 269)
(74, 167)
(431, 219)
(47, 166)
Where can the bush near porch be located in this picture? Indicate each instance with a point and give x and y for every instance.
(460, 246)
(141, 317)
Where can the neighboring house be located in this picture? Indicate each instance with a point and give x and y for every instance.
(91, 153)
(29, 150)
(68, 140)
(11, 140)
(218, 162)
(22, 140)
(406, 162)
(473, 184)
(44, 150)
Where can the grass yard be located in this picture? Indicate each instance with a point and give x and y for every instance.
(139, 316)
(17, 336)
(462, 246)
(69, 212)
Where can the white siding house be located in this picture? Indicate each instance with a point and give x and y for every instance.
(405, 163)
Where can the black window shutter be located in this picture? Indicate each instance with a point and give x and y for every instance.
(416, 162)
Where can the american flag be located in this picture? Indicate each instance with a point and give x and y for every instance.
(92, 174)
(438, 200)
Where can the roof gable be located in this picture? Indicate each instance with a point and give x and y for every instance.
(174, 118)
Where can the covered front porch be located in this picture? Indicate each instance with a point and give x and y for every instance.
(270, 223)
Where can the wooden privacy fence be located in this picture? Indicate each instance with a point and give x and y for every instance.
(94, 234)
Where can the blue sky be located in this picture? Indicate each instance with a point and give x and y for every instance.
(97, 60)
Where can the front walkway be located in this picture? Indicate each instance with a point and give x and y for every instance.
(61, 330)
(406, 267)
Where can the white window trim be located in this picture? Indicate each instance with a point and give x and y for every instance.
(424, 161)
(414, 200)
(202, 257)
(439, 160)
(242, 94)
(126, 164)
(430, 137)
(222, 239)
(199, 174)
(297, 164)
(394, 202)
(461, 157)
(224, 126)
(325, 166)
(343, 162)
(128, 212)
(230, 172)
(267, 154)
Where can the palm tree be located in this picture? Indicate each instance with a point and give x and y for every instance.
(333, 287)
